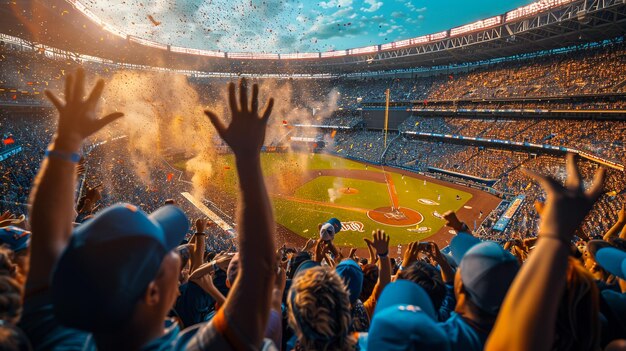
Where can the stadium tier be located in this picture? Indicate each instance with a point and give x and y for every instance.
(423, 193)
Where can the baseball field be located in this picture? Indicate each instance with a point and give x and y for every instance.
(307, 189)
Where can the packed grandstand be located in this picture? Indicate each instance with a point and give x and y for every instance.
(440, 141)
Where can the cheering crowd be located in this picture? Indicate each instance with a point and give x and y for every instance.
(79, 277)
(596, 70)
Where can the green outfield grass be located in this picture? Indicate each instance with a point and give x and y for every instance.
(302, 218)
(317, 200)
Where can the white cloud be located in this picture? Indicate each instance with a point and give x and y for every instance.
(373, 6)
(335, 3)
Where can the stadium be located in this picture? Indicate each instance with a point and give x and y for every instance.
(395, 136)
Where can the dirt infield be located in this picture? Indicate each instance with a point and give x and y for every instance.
(348, 191)
(480, 201)
(395, 217)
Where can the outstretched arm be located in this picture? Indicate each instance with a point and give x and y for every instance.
(52, 197)
(199, 245)
(380, 243)
(249, 301)
(529, 311)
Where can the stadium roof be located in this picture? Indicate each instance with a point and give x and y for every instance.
(546, 24)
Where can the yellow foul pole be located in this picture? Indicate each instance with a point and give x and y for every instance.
(386, 115)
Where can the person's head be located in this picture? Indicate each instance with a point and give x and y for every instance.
(232, 271)
(485, 273)
(405, 319)
(18, 241)
(370, 278)
(120, 270)
(578, 322)
(10, 289)
(352, 276)
(592, 247)
(429, 278)
(319, 310)
(13, 338)
(295, 262)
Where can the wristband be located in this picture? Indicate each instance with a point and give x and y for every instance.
(65, 156)
(383, 255)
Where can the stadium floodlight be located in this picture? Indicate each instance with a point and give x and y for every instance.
(147, 42)
(363, 50)
(439, 36)
(478, 25)
(300, 55)
(199, 52)
(534, 8)
(334, 53)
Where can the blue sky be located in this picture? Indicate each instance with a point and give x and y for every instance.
(291, 26)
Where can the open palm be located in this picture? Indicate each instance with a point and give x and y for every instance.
(246, 133)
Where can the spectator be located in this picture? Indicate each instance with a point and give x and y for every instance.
(150, 275)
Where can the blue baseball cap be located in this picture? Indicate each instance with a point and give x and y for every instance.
(352, 276)
(336, 224)
(612, 260)
(487, 271)
(460, 244)
(16, 239)
(405, 292)
(109, 262)
(405, 320)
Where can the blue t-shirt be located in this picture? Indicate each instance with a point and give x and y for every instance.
(194, 304)
(45, 332)
(462, 336)
(447, 305)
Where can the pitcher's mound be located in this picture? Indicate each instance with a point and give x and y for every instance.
(349, 191)
(400, 217)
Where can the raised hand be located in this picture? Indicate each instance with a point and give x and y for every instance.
(320, 249)
(309, 244)
(77, 117)
(453, 221)
(380, 242)
(566, 206)
(200, 225)
(432, 250)
(352, 253)
(410, 254)
(246, 133)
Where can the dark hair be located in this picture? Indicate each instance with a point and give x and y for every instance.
(428, 277)
(394, 266)
(10, 289)
(13, 338)
(370, 278)
(296, 261)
